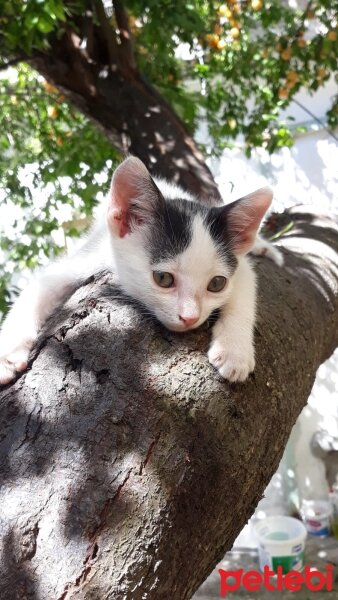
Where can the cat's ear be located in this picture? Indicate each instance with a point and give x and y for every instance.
(243, 218)
(133, 198)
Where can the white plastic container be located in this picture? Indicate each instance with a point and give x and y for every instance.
(316, 515)
(281, 542)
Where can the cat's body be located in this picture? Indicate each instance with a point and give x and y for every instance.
(171, 253)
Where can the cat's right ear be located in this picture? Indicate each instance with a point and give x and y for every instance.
(133, 198)
(242, 218)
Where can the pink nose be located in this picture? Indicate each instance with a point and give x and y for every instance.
(188, 321)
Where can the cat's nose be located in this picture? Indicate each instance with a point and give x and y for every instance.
(188, 321)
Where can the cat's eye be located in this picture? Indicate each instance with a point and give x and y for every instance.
(163, 279)
(217, 284)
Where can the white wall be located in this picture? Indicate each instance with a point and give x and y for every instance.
(304, 174)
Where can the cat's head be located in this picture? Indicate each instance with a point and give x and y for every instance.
(175, 255)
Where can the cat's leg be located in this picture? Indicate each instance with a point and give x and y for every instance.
(232, 348)
(264, 248)
(47, 291)
(28, 314)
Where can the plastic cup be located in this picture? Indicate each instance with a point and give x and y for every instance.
(316, 515)
(281, 542)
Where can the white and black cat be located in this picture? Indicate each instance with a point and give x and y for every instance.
(179, 258)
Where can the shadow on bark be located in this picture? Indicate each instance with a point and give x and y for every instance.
(139, 464)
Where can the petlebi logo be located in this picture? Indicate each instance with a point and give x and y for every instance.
(273, 581)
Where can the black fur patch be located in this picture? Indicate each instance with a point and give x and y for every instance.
(171, 230)
(216, 221)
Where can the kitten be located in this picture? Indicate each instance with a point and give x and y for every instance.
(181, 259)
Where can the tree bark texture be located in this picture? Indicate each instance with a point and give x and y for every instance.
(128, 465)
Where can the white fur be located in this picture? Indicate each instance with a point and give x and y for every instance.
(263, 248)
(47, 291)
(231, 351)
(193, 269)
(232, 348)
(171, 190)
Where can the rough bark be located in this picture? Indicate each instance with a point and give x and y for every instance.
(128, 466)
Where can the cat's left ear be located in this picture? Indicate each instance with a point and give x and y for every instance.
(133, 198)
(243, 218)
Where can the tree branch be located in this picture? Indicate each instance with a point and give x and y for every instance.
(128, 466)
(132, 115)
(127, 57)
(108, 33)
(13, 62)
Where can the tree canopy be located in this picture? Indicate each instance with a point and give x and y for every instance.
(236, 65)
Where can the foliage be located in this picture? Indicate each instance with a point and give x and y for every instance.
(242, 63)
(50, 156)
(250, 57)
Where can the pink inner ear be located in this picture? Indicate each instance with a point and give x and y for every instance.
(245, 217)
(118, 221)
(128, 182)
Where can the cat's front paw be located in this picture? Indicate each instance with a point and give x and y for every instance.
(13, 363)
(233, 364)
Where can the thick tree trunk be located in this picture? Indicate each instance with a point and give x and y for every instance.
(128, 466)
(130, 112)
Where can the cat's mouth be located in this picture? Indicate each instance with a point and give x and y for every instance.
(182, 327)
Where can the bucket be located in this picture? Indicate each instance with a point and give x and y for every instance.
(281, 542)
(316, 515)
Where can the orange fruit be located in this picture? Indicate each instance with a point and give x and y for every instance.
(235, 33)
(290, 84)
(256, 4)
(221, 45)
(283, 93)
(292, 76)
(322, 72)
(332, 36)
(286, 54)
(52, 112)
(223, 10)
(212, 39)
(50, 89)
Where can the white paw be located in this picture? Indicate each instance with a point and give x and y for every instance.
(264, 248)
(233, 364)
(276, 256)
(13, 363)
